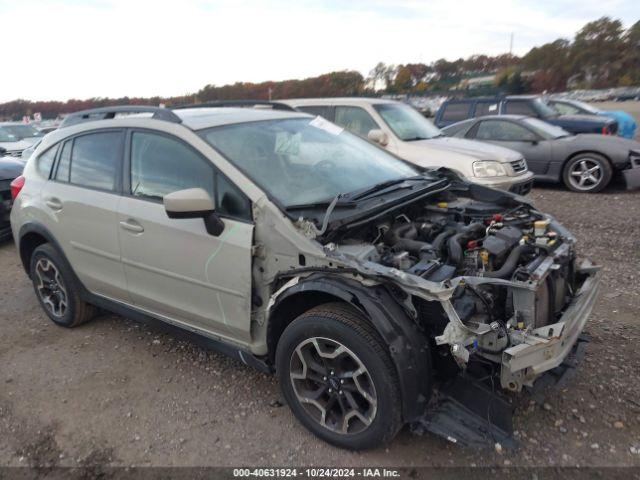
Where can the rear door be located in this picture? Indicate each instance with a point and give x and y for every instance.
(174, 268)
(82, 200)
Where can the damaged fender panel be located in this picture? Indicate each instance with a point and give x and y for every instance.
(408, 347)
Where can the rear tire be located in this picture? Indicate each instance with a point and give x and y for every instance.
(587, 173)
(57, 289)
(331, 359)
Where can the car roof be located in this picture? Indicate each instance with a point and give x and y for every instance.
(199, 118)
(343, 100)
(500, 117)
(493, 99)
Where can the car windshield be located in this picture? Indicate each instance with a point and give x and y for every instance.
(586, 107)
(301, 161)
(543, 109)
(407, 123)
(14, 133)
(546, 129)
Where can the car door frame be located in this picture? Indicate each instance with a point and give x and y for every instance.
(91, 280)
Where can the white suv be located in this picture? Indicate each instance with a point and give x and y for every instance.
(403, 131)
(363, 281)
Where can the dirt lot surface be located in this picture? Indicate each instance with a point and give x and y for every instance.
(121, 393)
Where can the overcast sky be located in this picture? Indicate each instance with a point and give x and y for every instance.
(60, 49)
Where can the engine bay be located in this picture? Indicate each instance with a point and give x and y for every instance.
(515, 269)
(459, 237)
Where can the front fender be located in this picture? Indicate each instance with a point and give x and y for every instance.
(408, 347)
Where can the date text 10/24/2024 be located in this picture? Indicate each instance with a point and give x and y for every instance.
(316, 472)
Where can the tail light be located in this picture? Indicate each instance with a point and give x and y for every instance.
(605, 131)
(16, 186)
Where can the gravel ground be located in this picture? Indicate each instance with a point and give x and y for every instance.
(120, 393)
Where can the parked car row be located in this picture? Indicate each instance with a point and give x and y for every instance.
(584, 162)
(580, 150)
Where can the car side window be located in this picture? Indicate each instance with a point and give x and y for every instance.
(45, 161)
(95, 160)
(520, 108)
(486, 108)
(161, 165)
(500, 130)
(454, 112)
(64, 162)
(318, 110)
(355, 119)
(564, 108)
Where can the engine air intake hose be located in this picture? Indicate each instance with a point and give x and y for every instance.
(454, 244)
(510, 264)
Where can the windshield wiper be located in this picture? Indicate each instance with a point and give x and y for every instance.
(321, 204)
(336, 202)
(416, 138)
(383, 185)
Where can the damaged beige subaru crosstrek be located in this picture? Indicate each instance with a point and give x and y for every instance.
(381, 294)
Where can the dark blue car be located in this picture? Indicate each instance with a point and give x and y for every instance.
(456, 110)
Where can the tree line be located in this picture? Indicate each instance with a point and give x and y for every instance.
(601, 55)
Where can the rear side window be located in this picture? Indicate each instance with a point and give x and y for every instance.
(62, 173)
(454, 112)
(520, 108)
(318, 110)
(356, 120)
(95, 160)
(486, 108)
(503, 131)
(564, 108)
(45, 161)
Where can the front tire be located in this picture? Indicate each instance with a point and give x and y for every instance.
(56, 288)
(587, 173)
(338, 379)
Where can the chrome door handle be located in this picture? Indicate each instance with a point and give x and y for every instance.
(132, 226)
(53, 204)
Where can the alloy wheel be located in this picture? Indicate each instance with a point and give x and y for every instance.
(50, 287)
(585, 174)
(333, 385)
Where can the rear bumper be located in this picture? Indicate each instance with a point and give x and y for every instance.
(547, 347)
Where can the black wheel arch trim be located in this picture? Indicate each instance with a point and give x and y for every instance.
(408, 346)
(38, 228)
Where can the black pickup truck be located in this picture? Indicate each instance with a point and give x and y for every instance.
(456, 110)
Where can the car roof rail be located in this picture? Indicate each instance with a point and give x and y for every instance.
(105, 113)
(239, 103)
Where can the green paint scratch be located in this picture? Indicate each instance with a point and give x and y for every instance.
(217, 250)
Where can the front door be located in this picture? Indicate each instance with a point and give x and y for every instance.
(173, 267)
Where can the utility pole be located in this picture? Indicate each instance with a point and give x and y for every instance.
(511, 45)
